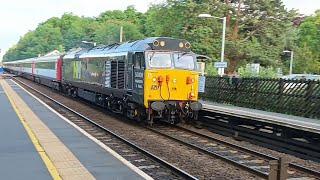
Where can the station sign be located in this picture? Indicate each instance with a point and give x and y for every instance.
(221, 64)
(202, 84)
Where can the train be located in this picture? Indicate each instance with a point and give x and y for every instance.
(147, 80)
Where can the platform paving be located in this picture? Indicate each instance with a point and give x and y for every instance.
(96, 160)
(18, 156)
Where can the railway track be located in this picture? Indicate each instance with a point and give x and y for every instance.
(250, 160)
(157, 168)
(290, 141)
(152, 165)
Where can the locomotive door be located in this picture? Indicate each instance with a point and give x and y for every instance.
(130, 72)
(136, 76)
(138, 72)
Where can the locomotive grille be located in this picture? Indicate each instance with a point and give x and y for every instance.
(114, 67)
(121, 67)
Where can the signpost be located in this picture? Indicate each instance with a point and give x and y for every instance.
(221, 65)
(202, 84)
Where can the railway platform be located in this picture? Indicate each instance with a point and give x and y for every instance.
(38, 143)
(284, 120)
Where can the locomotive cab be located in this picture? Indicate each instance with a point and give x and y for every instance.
(170, 89)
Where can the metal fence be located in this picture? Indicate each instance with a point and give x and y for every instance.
(295, 97)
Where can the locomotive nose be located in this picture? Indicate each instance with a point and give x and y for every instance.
(171, 84)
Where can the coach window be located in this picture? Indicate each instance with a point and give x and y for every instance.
(139, 60)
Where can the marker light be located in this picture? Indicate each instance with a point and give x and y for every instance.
(191, 95)
(167, 78)
(190, 80)
(160, 80)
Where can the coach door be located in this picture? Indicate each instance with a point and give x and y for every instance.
(33, 67)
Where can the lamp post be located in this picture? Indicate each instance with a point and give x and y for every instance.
(291, 60)
(224, 19)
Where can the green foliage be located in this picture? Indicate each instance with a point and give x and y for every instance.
(68, 31)
(307, 54)
(306, 61)
(108, 32)
(268, 72)
(211, 70)
(44, 39)
(257, 32)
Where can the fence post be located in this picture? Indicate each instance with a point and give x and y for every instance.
(256, 87)
(310, 90)
(273, 171)
(283, 168)
(280, 92)
(235, 82)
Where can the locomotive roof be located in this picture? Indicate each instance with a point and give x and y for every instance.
(169, 44)
(29, 60)
(152, 43)
(51, 57)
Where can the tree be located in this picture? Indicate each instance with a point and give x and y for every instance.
(109, 32)
(130, 15)
(76, 29)
(255, 29)
(304, 40)
(44, 39)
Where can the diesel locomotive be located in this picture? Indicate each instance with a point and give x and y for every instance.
(151, 79)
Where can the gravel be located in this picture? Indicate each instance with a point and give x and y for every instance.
(292, 159)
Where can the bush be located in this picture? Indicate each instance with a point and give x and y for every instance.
(268, 72)
(211, 70)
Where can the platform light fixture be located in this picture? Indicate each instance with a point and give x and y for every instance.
(291, 60)
(224, 20)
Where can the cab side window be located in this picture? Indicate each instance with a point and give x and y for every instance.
(139, 60)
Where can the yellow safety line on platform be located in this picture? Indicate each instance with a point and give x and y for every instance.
(50, 166)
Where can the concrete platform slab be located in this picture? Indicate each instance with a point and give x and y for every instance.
(296, 122)
(100, 163)
(18, 157)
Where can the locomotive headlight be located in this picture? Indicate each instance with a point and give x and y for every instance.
(162, 43)
(181, 45)
(156, 43)
(174, 80)
(154, 79)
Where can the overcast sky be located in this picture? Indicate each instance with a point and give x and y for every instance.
(19, 16)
